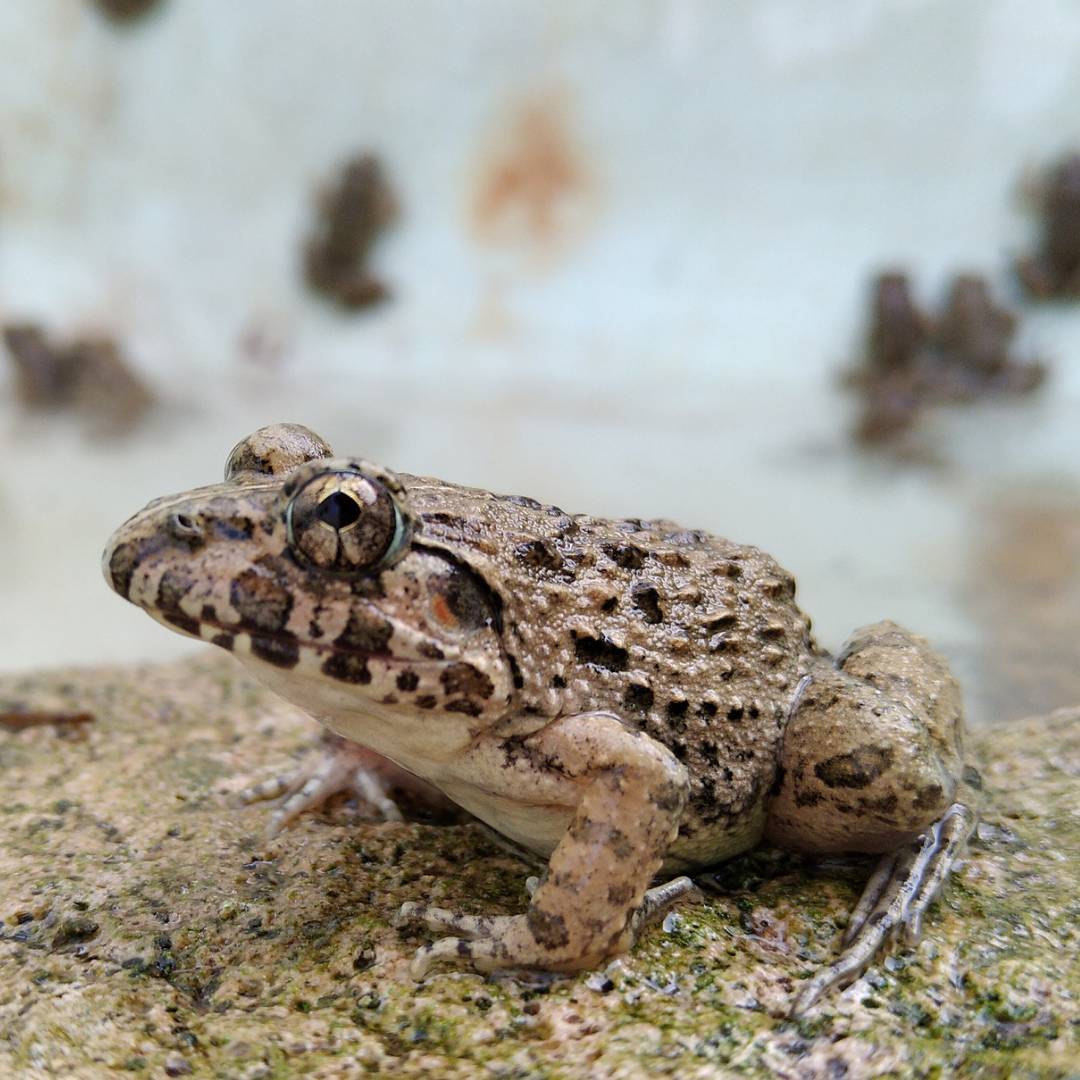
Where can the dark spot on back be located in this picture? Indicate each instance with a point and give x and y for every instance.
(541, 555)
(440, 517)
(224, 641)
(677, 708)
(857, 769)
(429, 651)
(425, 701)
(609, 605)
(522, 500)
(783, 586)
(558, 682)
(725, 643)
(735, 713)
(647, 600)
(637, 697)
(708, 709)
(972, 777)
(724, 621)
(600, 652)
(628, 556)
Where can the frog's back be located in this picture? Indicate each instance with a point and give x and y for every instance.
(690, 637)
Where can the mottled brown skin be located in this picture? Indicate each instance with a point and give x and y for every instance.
(620, 696)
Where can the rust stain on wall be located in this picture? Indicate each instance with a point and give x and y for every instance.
(533, 187)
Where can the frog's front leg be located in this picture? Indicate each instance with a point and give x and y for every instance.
(624, 794)
(343, 767)
(872, 761)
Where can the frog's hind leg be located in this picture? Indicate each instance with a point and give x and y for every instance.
(899, 891)
(872, 762)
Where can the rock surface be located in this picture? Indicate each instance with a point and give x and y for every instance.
(147, 928)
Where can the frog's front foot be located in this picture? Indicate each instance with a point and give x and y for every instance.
(903, 885)
(343, 768)
(525, 942)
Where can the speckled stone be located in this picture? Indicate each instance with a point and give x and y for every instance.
(145, 926)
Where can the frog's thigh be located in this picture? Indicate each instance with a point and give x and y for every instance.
(872, 753)
(633, 791)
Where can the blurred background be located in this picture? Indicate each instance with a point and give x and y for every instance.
(613, 256)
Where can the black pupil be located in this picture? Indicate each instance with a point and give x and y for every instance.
(339, 510)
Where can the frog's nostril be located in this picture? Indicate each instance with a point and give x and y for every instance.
(185, 526)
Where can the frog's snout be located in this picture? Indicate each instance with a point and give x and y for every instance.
(150, 535)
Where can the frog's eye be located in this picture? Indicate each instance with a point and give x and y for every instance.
(344, 521)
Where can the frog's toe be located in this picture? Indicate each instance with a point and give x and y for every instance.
(445, 949)
(477, 941)
(660, 899)
(434, 918)
(902, 887)
(342, 770)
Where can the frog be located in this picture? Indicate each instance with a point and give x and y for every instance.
(630, 700)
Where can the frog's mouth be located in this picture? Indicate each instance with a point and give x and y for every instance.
(278, 647)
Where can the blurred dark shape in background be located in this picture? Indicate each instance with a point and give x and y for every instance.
(912, 359)
(126, 10)
(353, 213)
(89, 375)
(1053, 272)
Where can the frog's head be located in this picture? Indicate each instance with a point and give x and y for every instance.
(313, 570)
